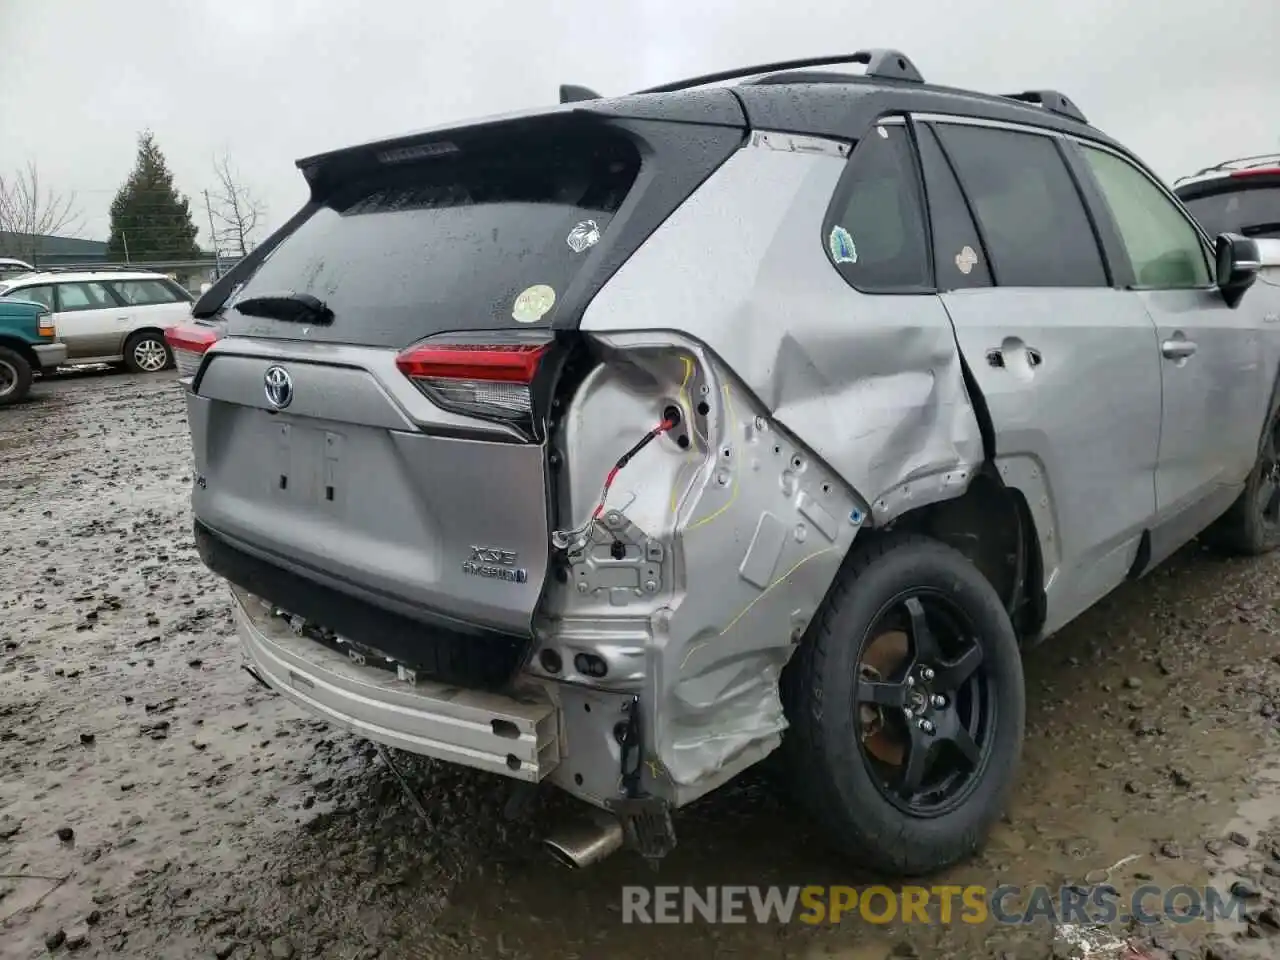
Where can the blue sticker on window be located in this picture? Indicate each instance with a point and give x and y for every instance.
(841, 245)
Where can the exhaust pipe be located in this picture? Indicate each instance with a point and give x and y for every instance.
(584, 842)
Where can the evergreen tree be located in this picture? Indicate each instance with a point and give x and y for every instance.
(150, 220)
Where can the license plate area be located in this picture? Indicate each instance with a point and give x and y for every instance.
(308, 466)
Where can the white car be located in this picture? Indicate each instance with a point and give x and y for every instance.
(13, 268)
(108, 316)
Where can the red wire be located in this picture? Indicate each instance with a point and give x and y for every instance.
(657, 431)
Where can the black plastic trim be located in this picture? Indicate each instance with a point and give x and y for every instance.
(968, 203)
(1090, 196)
(881, 65)
(1115, 255)
(1050, 100)
(435, 646)
(572, 93)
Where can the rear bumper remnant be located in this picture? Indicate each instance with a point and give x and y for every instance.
(487, 731)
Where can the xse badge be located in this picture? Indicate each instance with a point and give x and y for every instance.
(494, 563)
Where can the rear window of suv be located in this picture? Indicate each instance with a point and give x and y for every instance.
(1250, 210)
(448, 244)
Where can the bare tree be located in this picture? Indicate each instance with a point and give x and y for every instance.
(234, 208)
(29, 211)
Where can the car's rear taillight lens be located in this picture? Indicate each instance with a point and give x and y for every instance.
(1256, 172)
(491, 380)
(189, 344)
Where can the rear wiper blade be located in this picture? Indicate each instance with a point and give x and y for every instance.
(1261, 229)
(289, 307)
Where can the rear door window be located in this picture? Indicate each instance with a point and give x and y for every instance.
(141, 293)
(1251, 211)
(448, 244)
(83, 296)
(1035, 225)
(875, 232)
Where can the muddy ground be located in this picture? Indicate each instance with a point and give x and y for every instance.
(155, 802)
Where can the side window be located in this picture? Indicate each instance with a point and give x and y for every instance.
(958, 254)
(83, 296)
(1163, 246)
(180, 293)
(42, 295)
(874, 232)
(1033, 220)
(143, 293)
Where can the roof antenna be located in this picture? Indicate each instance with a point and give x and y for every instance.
(572, 93)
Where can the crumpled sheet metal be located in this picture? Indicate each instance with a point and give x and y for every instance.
(866, 390)
(755, 528)
(872, 384)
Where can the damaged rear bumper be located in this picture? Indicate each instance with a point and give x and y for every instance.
(517, 738)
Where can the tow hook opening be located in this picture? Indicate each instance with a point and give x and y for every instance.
(257, 676)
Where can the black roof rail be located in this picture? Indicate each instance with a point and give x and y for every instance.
(1051, 100)
(572, 93)
(881, 64)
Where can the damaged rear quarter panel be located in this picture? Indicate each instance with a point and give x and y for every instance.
(734, 299)
(871, 383)
(701, 575)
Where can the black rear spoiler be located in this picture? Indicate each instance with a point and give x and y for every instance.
(706, 108)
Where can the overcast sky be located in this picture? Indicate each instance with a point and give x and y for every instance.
(1184, 84)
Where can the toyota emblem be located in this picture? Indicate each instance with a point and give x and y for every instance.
(279, 387)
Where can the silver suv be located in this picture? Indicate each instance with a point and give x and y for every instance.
(619, 444)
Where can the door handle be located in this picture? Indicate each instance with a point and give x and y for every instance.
(1178, 349)
(995, 356)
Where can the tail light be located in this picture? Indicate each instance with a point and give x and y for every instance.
(45, 326)
(1256, 172)
(188, 343)
(491, 379)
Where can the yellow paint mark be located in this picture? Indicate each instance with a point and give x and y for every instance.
(737, 455)
(756, 599)
(687, 409)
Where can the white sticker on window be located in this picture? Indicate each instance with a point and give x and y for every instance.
(966, 260)
(584, 236)
(884, 134)
(841, 246)
(532, 304)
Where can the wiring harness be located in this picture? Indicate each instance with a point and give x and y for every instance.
(561, 539)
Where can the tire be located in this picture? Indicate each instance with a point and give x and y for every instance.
(146, 352)
(1251, 527)
(15, 376)
(827, 747)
